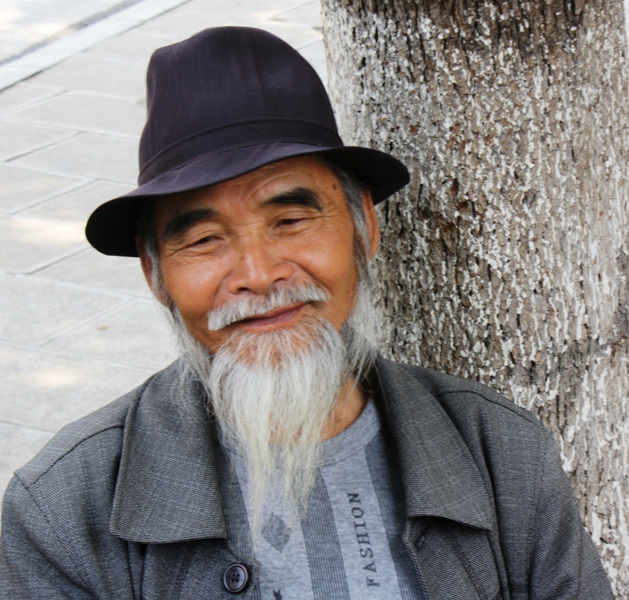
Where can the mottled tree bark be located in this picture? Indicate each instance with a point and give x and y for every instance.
(506, 258)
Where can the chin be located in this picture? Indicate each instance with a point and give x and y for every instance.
(273, 347)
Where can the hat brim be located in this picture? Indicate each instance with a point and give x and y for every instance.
(112, 227)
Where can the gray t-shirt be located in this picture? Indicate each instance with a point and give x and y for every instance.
(348, 544)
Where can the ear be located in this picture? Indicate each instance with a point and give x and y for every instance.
(373, 227)
(147, 269)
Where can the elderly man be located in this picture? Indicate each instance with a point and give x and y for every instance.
(281, 457)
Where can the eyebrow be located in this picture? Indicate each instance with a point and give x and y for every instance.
(179, 223)
(301, 196)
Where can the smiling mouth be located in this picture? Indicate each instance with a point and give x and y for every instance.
(278, 317)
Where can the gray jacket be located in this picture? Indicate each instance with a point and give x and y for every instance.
(126, 502)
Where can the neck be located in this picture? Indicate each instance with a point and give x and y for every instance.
(351, 403)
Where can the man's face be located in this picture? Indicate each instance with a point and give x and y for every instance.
(284, 224)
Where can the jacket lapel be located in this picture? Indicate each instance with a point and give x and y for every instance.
(168, 484)
(439, 474)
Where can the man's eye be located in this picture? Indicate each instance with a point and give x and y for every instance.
(204, 240)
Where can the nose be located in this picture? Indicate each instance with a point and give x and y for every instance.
(257, 267)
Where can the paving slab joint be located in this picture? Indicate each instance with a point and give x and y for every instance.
(128, 16)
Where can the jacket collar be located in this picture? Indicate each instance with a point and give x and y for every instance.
(168, 484)
(439, 474)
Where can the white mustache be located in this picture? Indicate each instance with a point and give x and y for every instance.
(252, 306)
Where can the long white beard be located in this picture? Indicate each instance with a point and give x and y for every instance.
(272, 393)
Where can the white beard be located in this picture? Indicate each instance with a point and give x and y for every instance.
(272, 393)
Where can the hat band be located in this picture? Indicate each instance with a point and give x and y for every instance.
(237, 135)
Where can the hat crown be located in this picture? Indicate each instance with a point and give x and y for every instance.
(223, 78)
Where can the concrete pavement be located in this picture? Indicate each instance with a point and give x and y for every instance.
(77, 329)
(26, 24)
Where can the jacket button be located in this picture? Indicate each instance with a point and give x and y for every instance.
(235, 578)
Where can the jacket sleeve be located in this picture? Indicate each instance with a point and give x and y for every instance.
(564, 563)
(33, 562)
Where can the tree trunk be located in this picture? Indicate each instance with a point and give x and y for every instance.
(506, 258)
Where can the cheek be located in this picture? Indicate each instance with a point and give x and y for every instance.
(327, 257)
(331, 264)
(193, 290)
(192, 287)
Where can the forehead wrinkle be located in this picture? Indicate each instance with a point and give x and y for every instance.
(183, 221)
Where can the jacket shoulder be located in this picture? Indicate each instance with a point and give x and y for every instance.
(102, 428)
(104, 425)
(459, 394)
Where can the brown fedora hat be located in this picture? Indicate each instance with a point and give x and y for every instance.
(225, 102)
